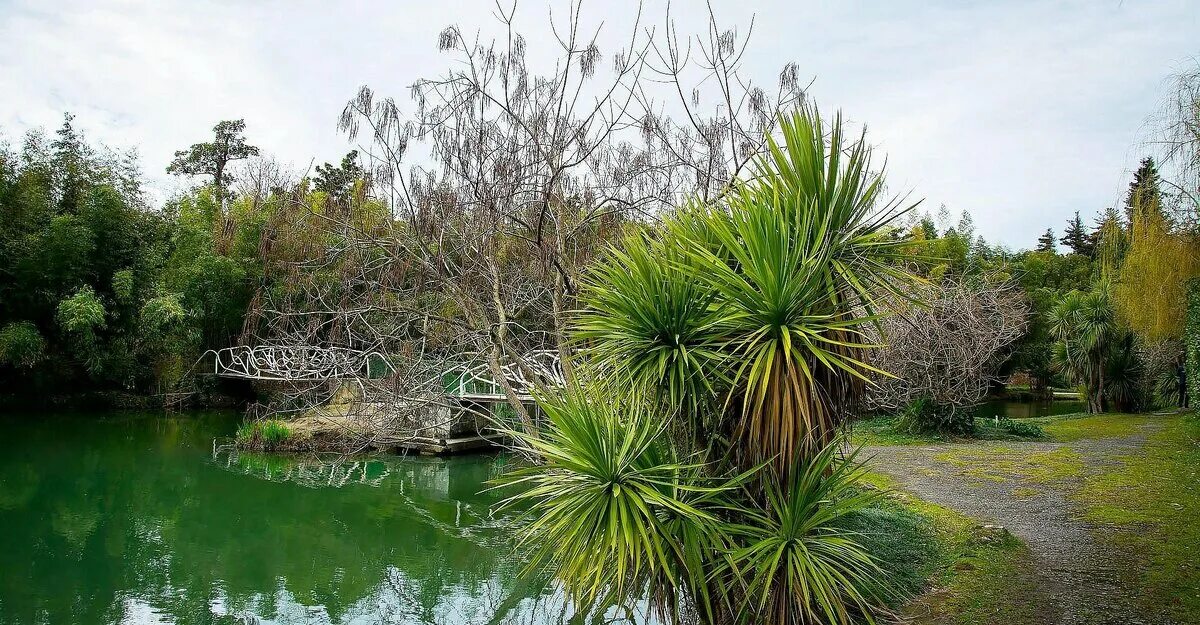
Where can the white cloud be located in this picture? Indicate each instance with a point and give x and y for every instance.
(1021, 112)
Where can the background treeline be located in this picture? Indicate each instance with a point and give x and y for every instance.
(105, 296)
(1107, 297)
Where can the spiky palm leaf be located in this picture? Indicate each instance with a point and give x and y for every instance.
(764, 295)
(654, 330)
(834, 197)
(780, 335)
(799, 564)
(611, 510)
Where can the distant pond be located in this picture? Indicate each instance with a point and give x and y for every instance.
(1015, 409)
(133, 519)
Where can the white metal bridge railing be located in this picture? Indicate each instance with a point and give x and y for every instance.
(295, 363)
(475, 382)
(304, 363)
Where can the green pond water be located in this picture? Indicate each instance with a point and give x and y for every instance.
(134, 519)
(1025, 409)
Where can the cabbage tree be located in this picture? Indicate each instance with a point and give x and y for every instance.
(697, 463)
(747, 317)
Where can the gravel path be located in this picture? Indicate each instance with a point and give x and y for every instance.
(1023, 486)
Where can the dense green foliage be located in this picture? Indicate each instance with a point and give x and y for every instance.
(1116, 293)
(81, 256)
(99, 292)
(102, 290)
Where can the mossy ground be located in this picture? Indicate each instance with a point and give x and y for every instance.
(1076, 427)
(1001, 464)
(1149, 504)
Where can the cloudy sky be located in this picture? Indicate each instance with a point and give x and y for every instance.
(1020, 112)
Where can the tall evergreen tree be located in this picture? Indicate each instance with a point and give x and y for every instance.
(1046, 241)
(70, 163)
(966, 226)
(1144, 193)
(1077, 237)
(928, 228)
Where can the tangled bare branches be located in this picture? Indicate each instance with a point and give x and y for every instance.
(1175, 136)
(947, 348)
(501, 184)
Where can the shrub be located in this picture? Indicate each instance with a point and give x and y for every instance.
(925, 415)
(948, 347)
(21, 345)
(1020, 428)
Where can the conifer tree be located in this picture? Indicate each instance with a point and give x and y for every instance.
(1144, 193)
(1046, 241)
(1077, 237)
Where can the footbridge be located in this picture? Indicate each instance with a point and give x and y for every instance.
(303, 363)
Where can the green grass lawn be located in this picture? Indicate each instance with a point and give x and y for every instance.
(882, 430)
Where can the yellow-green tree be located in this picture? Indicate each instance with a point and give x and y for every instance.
(1151, 291)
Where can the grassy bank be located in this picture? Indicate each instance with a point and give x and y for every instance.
(947, 568)
(885, 430)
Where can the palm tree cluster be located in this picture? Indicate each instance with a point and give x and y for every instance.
(695, 462)
(1095, 350)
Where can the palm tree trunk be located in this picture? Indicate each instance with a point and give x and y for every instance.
(1095, 390)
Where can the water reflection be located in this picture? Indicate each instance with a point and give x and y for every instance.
(134, 519)
(1023, 409)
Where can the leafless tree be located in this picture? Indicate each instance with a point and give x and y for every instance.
(945, 344)
(1175, 135)
(503, 183)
